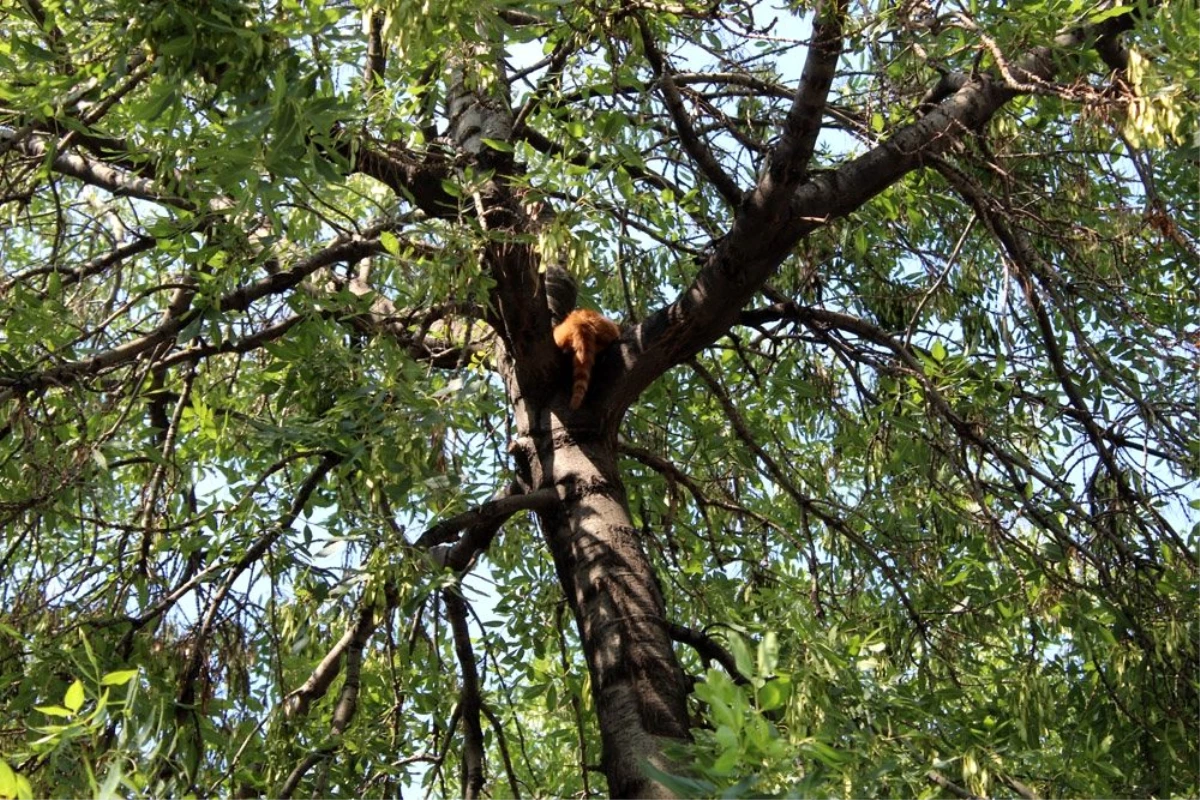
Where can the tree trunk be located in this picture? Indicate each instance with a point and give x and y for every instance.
(639, 689)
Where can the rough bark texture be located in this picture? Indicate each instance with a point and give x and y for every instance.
(638, 686)
(639, 689)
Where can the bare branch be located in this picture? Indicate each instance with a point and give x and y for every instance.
(709, 649)
(469, 700)
(502, 506)
(692, 143)
(191, 671)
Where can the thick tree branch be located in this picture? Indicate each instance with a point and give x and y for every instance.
(417, 179)
(771, 223)
(351, 646)
(94, 173)
(764, 234)
(517, 308)
(709, 649)
(298, 702)
(789, 161)
(502, 506)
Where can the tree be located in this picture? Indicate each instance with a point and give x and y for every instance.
(888, 486)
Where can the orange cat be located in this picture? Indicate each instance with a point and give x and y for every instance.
(585, 333)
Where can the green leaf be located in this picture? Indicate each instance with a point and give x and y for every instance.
(74, 697)
(119, 678)
(768, 654)
(53, 711)
(774, 694)
(8, 781)
(1109, 13)
(824, 753)
(390, 243)
(741, 656)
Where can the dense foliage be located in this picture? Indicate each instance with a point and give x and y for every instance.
(911, 445)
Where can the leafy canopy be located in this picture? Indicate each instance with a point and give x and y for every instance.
(933, 498)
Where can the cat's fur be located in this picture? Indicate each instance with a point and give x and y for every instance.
(584, 333)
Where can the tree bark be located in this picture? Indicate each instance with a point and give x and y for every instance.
(638, 687)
